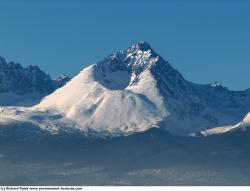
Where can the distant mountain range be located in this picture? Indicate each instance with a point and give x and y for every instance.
(130, 91)
(25, 86)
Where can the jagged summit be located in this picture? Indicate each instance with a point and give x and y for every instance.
(127, 67)
(131, 65)
(141, 45)
(139, 55)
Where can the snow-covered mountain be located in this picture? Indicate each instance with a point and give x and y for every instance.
(132, 91)
(25, 86)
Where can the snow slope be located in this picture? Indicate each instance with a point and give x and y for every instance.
(111, 97)
(132, 91)
(220, 130)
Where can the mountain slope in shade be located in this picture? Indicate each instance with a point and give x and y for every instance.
(61, 81)
(25, 86)
(131, 91)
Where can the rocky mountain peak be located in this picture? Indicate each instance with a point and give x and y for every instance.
(141, 45)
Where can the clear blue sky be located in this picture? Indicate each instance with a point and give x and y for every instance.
(205, 40)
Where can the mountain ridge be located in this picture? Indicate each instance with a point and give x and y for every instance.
(25, 85)
(134, 90)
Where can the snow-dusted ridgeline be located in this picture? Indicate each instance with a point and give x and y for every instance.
(132, 91)
(21, 86)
